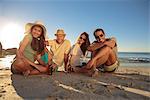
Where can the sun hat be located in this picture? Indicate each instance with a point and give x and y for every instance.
(60, 32)
(29, 25)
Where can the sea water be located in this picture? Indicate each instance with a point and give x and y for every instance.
(132, 59)
(139, 59)
(126, 59)
(5, 62)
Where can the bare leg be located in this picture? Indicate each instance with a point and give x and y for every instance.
(103, 52)
(35, 72)
(93, 71)
(108, 59)
(112, 58)
(94, 53)
(21, 65)
(100, 58)
(41, 71)
(105, 56)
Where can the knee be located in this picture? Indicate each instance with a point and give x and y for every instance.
(107, 49)
(18, 63)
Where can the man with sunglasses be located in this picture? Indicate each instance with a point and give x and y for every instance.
(104, 53)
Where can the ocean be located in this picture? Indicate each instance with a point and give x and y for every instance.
(131, 59)
(139, 59)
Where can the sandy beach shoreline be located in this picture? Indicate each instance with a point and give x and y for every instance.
(127, 83)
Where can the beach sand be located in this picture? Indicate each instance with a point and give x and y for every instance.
(128, 83)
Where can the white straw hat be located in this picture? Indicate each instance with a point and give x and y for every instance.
(29, 25)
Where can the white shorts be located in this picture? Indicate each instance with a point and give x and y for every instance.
(111, 67)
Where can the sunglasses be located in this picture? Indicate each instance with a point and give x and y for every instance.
(82, 38)
(99, 36)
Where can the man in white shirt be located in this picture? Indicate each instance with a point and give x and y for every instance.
(60, 48)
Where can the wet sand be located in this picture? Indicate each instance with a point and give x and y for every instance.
(128, 83)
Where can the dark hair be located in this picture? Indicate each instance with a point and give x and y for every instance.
(86, 43)
(38, 44)
(98, 29)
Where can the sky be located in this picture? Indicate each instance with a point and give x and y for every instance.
(127, 20)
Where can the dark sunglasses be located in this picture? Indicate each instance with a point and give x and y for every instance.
(99, 36)
(82, 38)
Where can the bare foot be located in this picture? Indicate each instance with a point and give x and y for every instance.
(89, 64)
(76, 69)
(70, 69)
(54, 65)
(26, 73)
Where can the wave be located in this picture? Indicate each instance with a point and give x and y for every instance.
(135, 60)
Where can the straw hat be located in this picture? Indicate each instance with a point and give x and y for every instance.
(29, 25)
(60, 32)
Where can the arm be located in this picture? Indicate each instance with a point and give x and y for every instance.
(50, 42)
(111, 42)
(22, 46)
(50, 56)
(94, 46)
(66, 54)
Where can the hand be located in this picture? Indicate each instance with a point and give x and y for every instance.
(90, 64)
(54, 65)
(68, 68)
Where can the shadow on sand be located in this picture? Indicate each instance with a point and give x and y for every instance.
(33, 86)
(77, 86)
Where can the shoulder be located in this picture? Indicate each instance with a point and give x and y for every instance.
(113, 38)
(27, 37)
(26, 40)
(67, 42)
(95, 42)
(51, 42)
(75, 45)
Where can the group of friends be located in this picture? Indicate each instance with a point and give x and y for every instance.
(39, 55)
